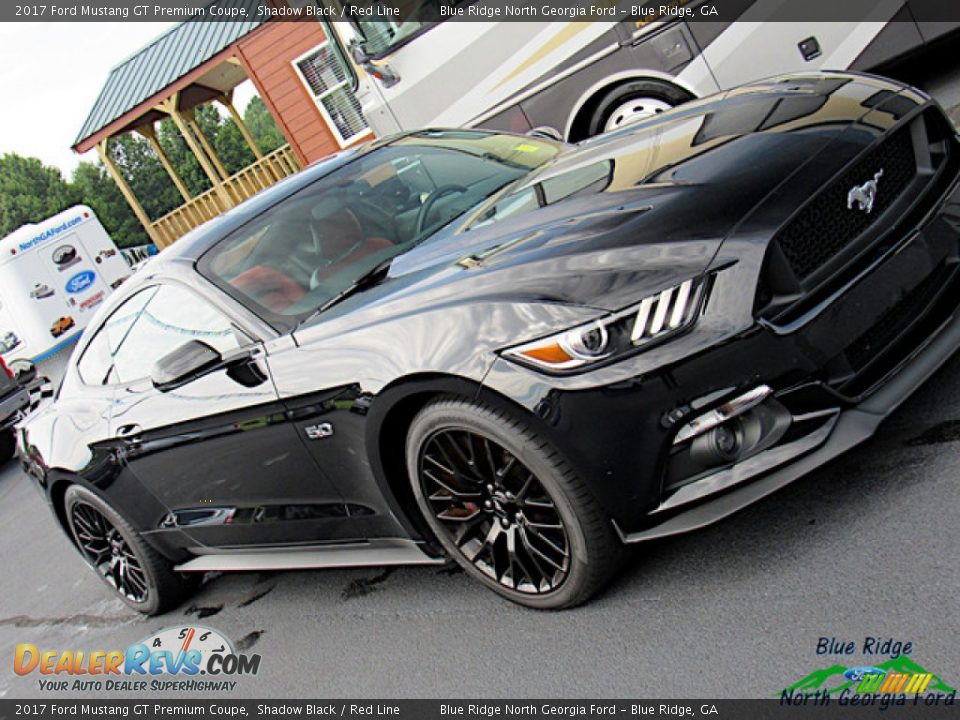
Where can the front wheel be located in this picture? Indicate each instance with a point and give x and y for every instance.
(133, 570)
(507, 507)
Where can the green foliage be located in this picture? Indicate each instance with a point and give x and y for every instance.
(146, 176)
(100, 192)
(31, 191)
(187, 165)
(262, 125)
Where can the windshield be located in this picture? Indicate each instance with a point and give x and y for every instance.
(381, 37)
(310, 247)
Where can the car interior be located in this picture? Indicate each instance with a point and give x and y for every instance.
(310, 246)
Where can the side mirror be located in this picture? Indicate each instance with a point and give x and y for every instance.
(382, 71)
(358, 52)
(24, 371)
(190, 361)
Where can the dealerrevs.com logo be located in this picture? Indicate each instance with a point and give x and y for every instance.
(188, 658)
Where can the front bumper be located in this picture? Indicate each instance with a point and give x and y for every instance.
(841, 368)
(840, 432)
(12, 407)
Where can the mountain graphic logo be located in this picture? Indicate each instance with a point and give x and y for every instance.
(837, 678)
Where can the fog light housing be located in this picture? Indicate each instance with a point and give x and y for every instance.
(719, 415)
(720, 446)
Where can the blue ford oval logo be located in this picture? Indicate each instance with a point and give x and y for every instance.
(858, 673)
(81, 281)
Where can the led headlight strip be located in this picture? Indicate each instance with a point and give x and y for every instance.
(652, 319)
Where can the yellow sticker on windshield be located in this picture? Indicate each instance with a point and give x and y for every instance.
(526, 148)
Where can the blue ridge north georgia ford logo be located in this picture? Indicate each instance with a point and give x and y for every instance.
(80, 282)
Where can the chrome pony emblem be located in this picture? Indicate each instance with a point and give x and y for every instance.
(864, 196)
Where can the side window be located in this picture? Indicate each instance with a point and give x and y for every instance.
(96, 364)
(173, 316)
(148, 326)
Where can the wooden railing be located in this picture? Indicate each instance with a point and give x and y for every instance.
(262, 174)
(235, 189)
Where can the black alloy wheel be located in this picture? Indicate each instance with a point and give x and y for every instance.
(507, 507)
(106, 550)
(122, 559)
(495, 510)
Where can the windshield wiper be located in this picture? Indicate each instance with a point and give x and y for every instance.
(371, 277)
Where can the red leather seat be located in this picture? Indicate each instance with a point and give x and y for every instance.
(344, 242)
(270, 287)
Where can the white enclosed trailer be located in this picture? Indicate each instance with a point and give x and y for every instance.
(53, 276)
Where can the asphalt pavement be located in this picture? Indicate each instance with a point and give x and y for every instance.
(865, 547)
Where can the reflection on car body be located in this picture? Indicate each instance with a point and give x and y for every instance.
(518, 353)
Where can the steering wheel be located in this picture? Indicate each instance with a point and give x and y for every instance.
(315, 277)
(431, 200)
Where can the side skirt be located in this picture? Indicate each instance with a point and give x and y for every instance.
(375, 553)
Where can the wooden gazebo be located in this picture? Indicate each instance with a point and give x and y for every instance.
(201, 62)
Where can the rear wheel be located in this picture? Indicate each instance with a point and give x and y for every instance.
(8, 445)
(634, 101)
(126, 564)
(507, 507)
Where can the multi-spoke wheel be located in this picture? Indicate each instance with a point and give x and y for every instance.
(108, 553)
(507, 507)
(495, 510)
(126, 564)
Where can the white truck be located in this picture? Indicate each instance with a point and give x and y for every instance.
(53, 275)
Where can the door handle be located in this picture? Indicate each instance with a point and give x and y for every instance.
(129, 432)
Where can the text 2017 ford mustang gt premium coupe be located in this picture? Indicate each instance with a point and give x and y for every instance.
(517, 353)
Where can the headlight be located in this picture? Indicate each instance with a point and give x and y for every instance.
(653, 319)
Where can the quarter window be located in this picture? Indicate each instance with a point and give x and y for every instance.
(96, 364)
(150, 325)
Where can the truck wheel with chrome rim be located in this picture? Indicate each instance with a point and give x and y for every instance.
(634, 101)
(507, 507)
(126, 564)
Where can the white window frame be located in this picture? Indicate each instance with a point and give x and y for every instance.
(317, 99)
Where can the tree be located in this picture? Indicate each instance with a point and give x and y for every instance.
(30, 192)
(262, 125)
(146, 176)
(183, 160)
(97, 189)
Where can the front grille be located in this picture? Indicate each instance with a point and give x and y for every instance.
(826, 225)
(825, 246)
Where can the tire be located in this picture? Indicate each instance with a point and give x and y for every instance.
(8, 446)
(529, 560)
(162, 588)
(652, 96)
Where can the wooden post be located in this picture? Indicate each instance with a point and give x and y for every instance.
(103, 150)
(227, 102)
(191, 117)
(169, 106)
(151, 135)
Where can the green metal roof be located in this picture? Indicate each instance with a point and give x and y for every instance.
(169, 57)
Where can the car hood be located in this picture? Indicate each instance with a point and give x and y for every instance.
(633, 212)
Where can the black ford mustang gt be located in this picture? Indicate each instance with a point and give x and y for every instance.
(517, 353)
